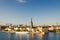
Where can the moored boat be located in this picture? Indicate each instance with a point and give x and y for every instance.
(22, 32)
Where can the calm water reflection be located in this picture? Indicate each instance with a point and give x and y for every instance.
(49, 36)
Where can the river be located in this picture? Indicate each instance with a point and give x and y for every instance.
(49, 36)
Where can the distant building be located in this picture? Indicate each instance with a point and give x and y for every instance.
(3, 27)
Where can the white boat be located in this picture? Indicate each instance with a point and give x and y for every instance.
(22, 32)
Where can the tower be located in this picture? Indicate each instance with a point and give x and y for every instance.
(31, 25)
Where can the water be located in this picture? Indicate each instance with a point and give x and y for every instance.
(49, 36)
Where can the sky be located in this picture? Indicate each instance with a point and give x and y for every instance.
(21, 11)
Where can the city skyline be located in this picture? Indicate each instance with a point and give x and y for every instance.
(21, 11)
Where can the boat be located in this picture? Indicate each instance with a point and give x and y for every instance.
(22, 32)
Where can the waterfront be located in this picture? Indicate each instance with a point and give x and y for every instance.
(49, 36)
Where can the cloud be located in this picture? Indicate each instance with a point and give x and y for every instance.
(22, 1)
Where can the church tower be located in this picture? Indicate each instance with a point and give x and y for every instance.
(31, 25)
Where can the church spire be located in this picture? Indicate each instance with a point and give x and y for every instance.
(31, 23)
